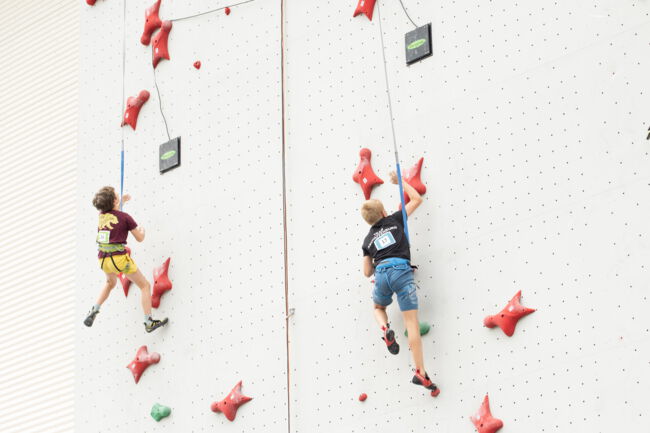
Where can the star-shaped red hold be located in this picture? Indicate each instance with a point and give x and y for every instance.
(229, 405)
(151, 22)
(484, 421)
(159, 46)
(161, 283)
(364, 174)
(133, 106)
(508, 317)
(142, 360)
(412, 177)
(197, 64)
(365, 7)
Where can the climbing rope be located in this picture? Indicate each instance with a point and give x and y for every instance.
(155, 81)
(213, 10)
(284, 218)
(407, 14)
(123, 93)
(392, 126)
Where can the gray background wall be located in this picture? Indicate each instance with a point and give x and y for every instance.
(532, 121)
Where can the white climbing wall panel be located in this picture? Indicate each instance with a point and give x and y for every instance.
(531, 118)
(532, 121)
(218, 216)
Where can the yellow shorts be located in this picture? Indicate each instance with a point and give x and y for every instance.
(124, 263)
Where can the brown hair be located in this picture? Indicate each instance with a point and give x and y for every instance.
(105, 199)
(372, 211)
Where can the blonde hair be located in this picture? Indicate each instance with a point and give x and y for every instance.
(372, 211)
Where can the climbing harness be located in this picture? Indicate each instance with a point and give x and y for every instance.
(110, 248)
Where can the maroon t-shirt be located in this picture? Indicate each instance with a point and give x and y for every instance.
(113, 228)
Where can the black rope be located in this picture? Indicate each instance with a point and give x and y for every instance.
(210, 11)
(159, 99)
(407, 14)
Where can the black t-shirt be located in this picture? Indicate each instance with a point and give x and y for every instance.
(387, 239)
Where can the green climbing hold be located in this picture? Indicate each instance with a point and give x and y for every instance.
(158, 411)
(424, 329)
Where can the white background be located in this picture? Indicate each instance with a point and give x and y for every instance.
(531, 120)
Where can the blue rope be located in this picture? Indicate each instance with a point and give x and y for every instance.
(401, 196)
(121, 175)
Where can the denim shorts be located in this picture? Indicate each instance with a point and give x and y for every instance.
(397, 279)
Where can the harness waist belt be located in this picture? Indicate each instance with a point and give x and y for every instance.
(391, 261)
(110, 248)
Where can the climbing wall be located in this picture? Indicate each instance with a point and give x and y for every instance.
(532, 122)
(218, 216)
(531, 118)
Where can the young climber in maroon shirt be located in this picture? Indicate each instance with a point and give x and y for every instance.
(113, 228)
(386, 253)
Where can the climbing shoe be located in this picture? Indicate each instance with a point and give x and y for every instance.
(153, 324)
(418, 379)
(90, 317)
(389, 339)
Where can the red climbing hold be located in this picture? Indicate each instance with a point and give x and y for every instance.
(227, 10)
(151, 22)
(126, 283)
(91, 2)
(363, 397)
(159, 46)
(142, 360)
(484, 421)
(229, 405)
(197, 64)
(364, 175)
(161, 283)
(508, 317)
(365, 7)
(412, 177)
(133, 105)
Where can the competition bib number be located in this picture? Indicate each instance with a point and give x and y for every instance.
(384, 241)
(103, 236)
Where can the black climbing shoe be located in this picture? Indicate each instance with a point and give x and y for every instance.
(418, 379)
(389, 339)
(90, 317)
(152, 325)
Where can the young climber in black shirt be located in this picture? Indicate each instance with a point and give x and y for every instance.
(386, 253)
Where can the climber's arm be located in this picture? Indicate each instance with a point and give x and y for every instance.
(368, 269)
(414, 196)
(138, 233)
